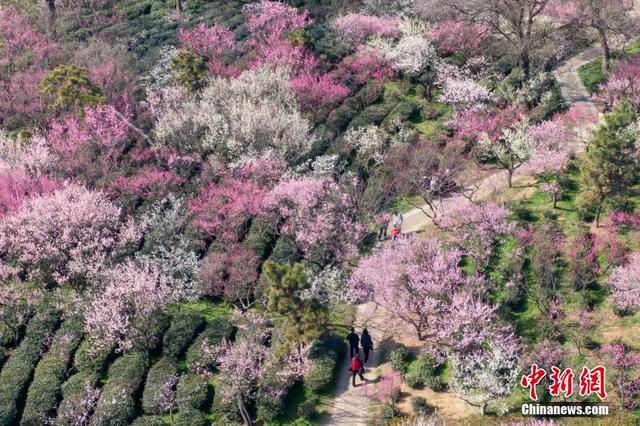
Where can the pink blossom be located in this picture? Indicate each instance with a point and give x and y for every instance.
(362, 67)
(459, 37)
(317, 215)
(213, 43)
(624, 82)
(356, 28)
(624, 284)
(18, 187)
(66, 236)
(317, 90)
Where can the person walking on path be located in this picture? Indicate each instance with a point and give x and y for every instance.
(354, 340)
(367, 344)
(357, 367)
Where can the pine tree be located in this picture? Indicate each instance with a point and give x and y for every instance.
(611, 166)
(304, 319)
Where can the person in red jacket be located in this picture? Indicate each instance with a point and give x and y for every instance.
(357, 367)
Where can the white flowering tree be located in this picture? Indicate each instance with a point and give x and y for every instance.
(369, 142)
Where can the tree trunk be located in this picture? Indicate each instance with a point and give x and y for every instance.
(555, 199)
(524, 61)
(179, 6)
(243, 412)
(50, 19)
(510, 177)
(598, 214)
(606, 53)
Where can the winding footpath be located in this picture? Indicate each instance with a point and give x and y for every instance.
(350, 405)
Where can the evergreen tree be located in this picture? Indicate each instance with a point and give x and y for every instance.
(611, 166)
(304, 319)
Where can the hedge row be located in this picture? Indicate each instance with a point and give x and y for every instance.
(44, 391)
(89, 364)
(215, 332)
(159, 375)
(20, 365)
(116, 405)
(183, 329)
(326, 353)
(192, 391)
(148, 421)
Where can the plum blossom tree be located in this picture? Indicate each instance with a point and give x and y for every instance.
(369, 142)
(317, 215)
(122, 311)
(356, 28)
(26, 55)
(464, 93)
(513, 148)
(317, 90)
(250, 116)
(624, 283)
(231, 274)
(362, 67)
(623, 360)
(622, 83)
(414, 281)
(19, 187)
(214, 44)
(63, 237)
(474, 228)
(223, 207)
(489, 369)
(452, 37)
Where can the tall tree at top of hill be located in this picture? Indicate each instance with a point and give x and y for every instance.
(611, 168)
(606, 17)
(516, 21)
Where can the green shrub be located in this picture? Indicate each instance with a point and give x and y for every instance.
(89, 364)
(420, 406)
(88, 358)
(214, 333)
(307, 410)
(259, 238)
(413, 380)
(268, 408)
(160, 374)
(192, 391)
(148, 421)
(116, 405)
(181, 333)
(400, 113)
(189, 417)
(17, 370)
(285, 251)
(325, 353)
(434, 383)
(399, 359)
(226, 411)
(50, 373)
(373, 114)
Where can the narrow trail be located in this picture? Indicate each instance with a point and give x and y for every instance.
(350, 405)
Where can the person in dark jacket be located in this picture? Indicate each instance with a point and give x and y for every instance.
(357, 367)
(354, 340)
(367, 344)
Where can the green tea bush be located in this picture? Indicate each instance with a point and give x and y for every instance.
(44, 391)
(192, 391)
(160, 374)
(116, 405)
(181, 333)
(17, 370)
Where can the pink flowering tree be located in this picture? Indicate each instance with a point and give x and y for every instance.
(356, 28)
(622, 83)
(269, 24)
(24, 61)
(474, 228)
(623, 360)
(413, 280)
(489, 369)
(122, 311)
(624, 284)
(231, 274)
(76, 141)
(64, 237)
(472, 126)
(214, 44)
(460, 37)
(318, 215)
(317, 90)
(363, 66)
(19, 187)
(554, 147)
(224, 206)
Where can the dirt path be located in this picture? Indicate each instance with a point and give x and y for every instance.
(349, 407)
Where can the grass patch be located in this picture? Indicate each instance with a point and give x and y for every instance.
(406, 204)
(591, 72)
